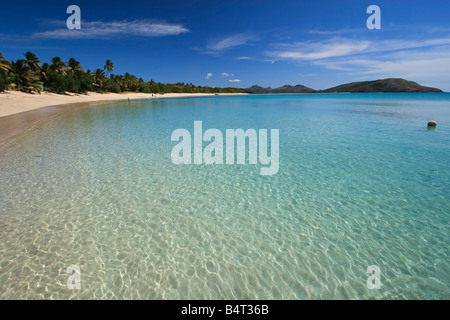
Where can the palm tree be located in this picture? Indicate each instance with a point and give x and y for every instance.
(59, 66)
(20, 72)
(23, 77)
(4, 64)
(32, 61)
(99, 77)
(119, 80)
(73, 66)
(44, 71)
(34, 85)
(109, 67)
(130, 82)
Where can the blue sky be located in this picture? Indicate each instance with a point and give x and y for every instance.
(240, 43)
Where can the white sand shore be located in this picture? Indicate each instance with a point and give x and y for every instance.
(21, 113)
(12, 102)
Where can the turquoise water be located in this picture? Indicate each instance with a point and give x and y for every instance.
(361, 182)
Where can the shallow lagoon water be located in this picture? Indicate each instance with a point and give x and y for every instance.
(361, 182)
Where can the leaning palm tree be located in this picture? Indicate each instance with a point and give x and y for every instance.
(59, 66)
(4, 64)
(32, 61)
(23, 77)
(34, 85)
(45, 70)
(109, 67)
(73, 66)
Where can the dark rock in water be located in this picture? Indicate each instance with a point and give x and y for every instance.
(432, 123)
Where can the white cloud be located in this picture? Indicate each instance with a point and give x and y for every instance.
(341, 47)
(334, 32)
(217, 46)
(318, 50)
(244, 58)
(230, 42)
(429, 67)
(425, 61)
(106, 30)
(425, 65)
(234, 80)
(209, 75)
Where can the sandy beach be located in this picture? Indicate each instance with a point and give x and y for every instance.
(13, 102)
(21, 113)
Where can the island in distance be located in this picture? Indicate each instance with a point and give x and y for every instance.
(384, 85)
(284, 89)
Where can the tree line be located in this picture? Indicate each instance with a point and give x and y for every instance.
(31, 75)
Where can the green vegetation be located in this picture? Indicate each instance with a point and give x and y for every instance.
(30, 75)
(5, 68)
(284, 89)
(385, 85)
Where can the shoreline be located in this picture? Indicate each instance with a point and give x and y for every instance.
(14, 102)
(22, 113)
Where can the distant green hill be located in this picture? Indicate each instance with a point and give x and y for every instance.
(296, 89)
(284, 89)
(384, 85)
(259, 90)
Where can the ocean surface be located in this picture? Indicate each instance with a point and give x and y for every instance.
(362, 182)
